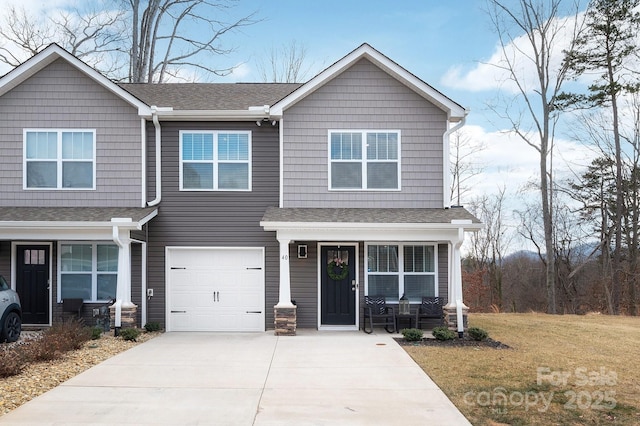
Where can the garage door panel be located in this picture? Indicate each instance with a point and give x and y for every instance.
(216, 289)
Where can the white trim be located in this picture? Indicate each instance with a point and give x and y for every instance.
(167, 284)
(454, 111)
(53, 52)
(59, 160)
(401, 268)
(364, 161)
(281, 169)
(215, 161)
(348, 327)
(13, 273)
(143, 162)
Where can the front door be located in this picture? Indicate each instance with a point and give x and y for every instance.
(337, 285)
(32, 283)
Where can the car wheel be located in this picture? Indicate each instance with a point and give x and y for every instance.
(11, 328)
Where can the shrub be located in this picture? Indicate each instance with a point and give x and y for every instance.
(412, 334)
(152, 326)
(443, 333)
(129, 334)
(96, 333)
(478, 333)
(12, 361)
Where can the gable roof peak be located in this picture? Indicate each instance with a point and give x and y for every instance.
(50, 54)
(455, 112)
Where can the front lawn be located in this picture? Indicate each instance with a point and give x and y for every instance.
(560, 370)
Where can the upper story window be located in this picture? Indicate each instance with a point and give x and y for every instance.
(367, 160)
(215, 161)
(59, 159)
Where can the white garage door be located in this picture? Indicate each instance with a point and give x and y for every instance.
(215, 289)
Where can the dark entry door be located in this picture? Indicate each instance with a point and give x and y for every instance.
(32, 283)
(337, 285)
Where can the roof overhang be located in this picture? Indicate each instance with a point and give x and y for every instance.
(168, 114)
(455, 112)
(369, 224)
(61, 223)
(54, 52)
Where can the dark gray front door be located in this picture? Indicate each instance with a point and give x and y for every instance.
(337, 285)
(32, 283)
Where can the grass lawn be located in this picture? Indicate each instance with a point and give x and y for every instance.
(561, 370)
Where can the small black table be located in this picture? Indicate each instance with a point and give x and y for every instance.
(403, 317)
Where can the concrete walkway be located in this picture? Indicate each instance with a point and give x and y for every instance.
(314, 378)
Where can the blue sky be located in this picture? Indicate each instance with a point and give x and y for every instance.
(427, 37)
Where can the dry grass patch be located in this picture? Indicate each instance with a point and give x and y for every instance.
(561, 370)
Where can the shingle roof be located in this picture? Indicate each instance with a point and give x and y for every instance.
(369, 215)
(210, 96)
(72, 214)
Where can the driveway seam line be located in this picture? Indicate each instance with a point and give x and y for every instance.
(264, 384)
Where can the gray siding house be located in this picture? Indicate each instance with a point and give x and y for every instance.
(228, 207)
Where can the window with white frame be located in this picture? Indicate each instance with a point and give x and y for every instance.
(88, 271)
(59, 159)
(215, 161)
(397, 269)
(364, 160)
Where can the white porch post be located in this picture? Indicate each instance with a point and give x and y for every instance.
(455, 307)
(284, 299)
(123, 311)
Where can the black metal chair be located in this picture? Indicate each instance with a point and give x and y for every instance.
(430, 308)
(72, 308)
(377, 312)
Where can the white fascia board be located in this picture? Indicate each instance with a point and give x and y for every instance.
(213, 115)
(454, 111)
(367, 231)
(54, 52)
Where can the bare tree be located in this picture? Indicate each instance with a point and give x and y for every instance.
(530, 34)
(463, 167)
(285, 64)
(489, 245)
(170, 35)
(132, 40)
(96, 36)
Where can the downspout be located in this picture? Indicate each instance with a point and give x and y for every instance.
(446, 160)
(156, 124)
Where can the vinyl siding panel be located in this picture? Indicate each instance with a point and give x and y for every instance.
(443, 272)
(304, 283)
(213, 218)
(363, 98)
(61, 97)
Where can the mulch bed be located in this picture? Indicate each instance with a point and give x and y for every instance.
(455, 343)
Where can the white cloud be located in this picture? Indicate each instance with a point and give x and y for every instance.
(509, 162)
(493, 73)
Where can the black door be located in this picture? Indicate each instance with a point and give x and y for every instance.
(32, 283)
(337, 285)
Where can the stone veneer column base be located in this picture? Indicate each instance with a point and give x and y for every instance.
(285, 321)
(127, 316)
(451, 318)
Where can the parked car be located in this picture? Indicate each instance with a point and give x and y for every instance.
(11, 313)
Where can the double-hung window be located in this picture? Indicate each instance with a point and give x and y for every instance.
(366, 160)
(397, 269)
(88, 271)
(59, 159)
(215, 161)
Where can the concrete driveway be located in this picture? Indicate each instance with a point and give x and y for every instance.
(314, 378)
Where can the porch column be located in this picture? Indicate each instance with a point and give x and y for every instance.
(285, 312)
(455, 310)
(123, 312)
